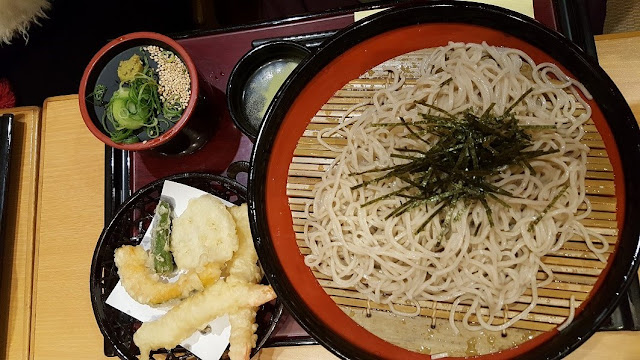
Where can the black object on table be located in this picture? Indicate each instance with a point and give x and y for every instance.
(6, 124)
(572, 20)
(116, 191)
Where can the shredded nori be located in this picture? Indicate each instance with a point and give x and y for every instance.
(468, 149)
(544, 212)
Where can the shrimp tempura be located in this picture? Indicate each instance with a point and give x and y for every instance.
(197, 311)
(243, 267)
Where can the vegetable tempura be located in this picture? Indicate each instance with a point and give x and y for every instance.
(204, 233)
(143, 284)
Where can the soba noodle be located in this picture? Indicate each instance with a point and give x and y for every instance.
(484, 267)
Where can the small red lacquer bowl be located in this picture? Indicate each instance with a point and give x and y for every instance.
(186, 135)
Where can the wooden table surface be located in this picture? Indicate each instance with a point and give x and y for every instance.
(70, 219)
(17, 262)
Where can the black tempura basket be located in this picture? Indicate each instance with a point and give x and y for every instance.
(127, 228)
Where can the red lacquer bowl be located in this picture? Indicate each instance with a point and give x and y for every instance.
(186, 135)
(368, 43)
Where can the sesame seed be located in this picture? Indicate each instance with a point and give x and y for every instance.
(174, 83)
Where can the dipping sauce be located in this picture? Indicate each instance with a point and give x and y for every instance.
(262, 87)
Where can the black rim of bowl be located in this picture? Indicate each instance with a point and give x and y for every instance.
(118, 327)
(604, 91)
(246, 67)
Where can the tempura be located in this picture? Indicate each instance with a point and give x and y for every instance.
(244, 264)
(144, 285)
(209, 273)
(198, 310)
(207, 241)
(243, 267)
(243, 336)
(204, 233)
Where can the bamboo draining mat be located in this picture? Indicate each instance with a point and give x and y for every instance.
(576, 269)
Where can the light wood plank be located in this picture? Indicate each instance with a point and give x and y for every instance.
(70, 218)
(19, 236)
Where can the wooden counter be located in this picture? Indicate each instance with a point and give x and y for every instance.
(17, 262)
(70, 218)
(619, 54)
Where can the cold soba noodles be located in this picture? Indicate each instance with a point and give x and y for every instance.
(452, 189)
